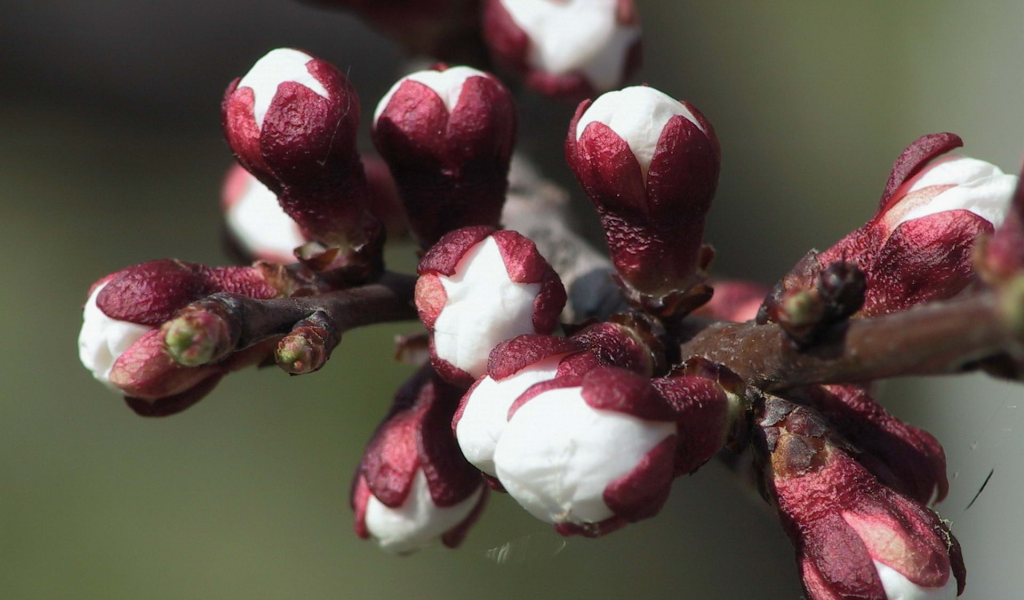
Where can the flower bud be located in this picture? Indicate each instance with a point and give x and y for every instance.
(905, 458)
(479, 287)
(589, 454)
(514, 366)
(568, 49)
(855, 538)
(120, 341)
(650, 165)
(918, 247)
(734, 300)
(292, 121)
(256, 222)
(447, 134)
(413, 486)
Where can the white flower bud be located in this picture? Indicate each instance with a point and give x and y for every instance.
(979, 187)
(898, 587)
(276, 67)
(569, 36)
(557, 455)
(484, 307)
(638, 115)
(103, 340)
(486, 411)
(418, 522)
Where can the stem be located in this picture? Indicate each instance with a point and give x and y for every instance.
(940, 338)
(249, 321)
(542, 212)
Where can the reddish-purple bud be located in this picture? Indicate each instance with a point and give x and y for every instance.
(292, 121)
(447, 134)
(918, 247)
(479, 287)
(650, 165)
(413, 486)
(568, 49)
(905, 458)
(622, 437)
(855, 538)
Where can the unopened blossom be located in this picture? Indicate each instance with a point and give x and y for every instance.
(903, 457)
(447, 135)
(855, 538)
(413, 487)
(516, 364)
(291, 122)
(122, 344)
(479, 287)
(919, 245)
(256, 221)
(650, 165)
(569, 49)
(589, 454)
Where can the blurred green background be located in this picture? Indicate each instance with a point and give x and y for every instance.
(110, 154)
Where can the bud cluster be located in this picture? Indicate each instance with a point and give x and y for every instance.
(123, 345)
(585, 425)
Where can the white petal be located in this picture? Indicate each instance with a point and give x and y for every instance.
(569, 36)
(446, 84)
(898, 587)
(418, 522)
(988, 197)
(558, 454)
(638, 115)
(103, 340)
(484, 308)
(954, 170)
(277, 67)
(260, 224)
(486, 411)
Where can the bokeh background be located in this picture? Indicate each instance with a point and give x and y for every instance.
(110, 154)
